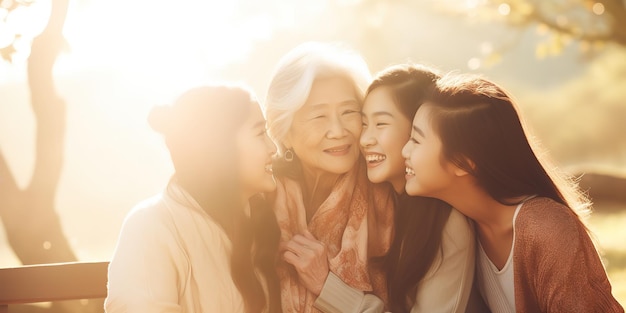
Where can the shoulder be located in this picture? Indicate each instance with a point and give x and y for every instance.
(458, 231)
(148, 209)
(149, 217)
(457, 241)
(546, 216)
(544, 226)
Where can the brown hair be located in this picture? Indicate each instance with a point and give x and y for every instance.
(496, 151)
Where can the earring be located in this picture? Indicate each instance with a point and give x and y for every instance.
(288, 155)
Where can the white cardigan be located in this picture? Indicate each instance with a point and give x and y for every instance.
(445, 288)
(171, 257)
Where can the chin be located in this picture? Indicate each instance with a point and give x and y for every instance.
(411, 190)
(375, 178)
(269, 186)
(342, 166)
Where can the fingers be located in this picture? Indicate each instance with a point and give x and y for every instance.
(303, 249)
(309, 242)
(308, 235)
(291, 258)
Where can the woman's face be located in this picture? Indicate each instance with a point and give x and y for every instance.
(426, 173)
(325, 131)
(255, 154)
(385, 131)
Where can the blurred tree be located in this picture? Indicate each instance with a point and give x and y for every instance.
(591, 23)
(32, 225)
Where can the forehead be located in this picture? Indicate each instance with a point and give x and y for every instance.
(380, 99)
(422, 118)
(331, 90)
(255, 115)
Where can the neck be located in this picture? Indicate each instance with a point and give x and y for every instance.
(316, 189)
(494, 221)
(398, 185)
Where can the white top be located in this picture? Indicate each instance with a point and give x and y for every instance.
(171, 257)
(496, 285)
(445, 288)
(447, 284)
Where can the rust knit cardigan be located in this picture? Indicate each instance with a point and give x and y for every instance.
(556, 266)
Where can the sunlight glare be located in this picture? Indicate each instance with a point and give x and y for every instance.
(486, 48)
(177, 41)
(598, 8)
(504, 9)
(28, 21)
(471, 4)
(473, 64)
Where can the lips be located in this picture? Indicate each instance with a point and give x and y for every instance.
(409, 171)
(268, 168)
(338, 150)
(375, 158)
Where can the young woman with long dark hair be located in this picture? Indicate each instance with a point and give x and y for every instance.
(469, 148)
(208, 242)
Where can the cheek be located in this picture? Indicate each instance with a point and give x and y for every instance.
(397, 140)
(354, 125)
(306, 132)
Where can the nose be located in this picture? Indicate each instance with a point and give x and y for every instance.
(271, 146)
(406, 150)
(367, 139)
(336, 128)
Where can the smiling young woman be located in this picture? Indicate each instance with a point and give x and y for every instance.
(469, 147)
(209, 241)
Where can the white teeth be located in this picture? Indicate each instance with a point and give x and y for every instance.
(375, 157)
(409, 171)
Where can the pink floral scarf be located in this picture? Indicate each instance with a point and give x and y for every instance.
(355, 223)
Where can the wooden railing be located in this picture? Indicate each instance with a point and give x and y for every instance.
(52, 282)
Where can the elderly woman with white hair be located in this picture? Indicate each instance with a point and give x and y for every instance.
(324, 201)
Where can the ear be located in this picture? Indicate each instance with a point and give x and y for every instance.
(459, 171)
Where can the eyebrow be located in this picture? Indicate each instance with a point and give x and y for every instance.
(418, 130)
(379, 113)
(382, 113)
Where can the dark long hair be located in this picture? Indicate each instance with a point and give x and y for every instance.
(199, 131)
(419, 221)
(482, 132)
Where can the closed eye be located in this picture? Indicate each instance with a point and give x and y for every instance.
(413, 140)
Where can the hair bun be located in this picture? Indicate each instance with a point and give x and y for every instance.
(160, 118)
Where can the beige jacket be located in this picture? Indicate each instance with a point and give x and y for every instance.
(171, 257)
(445, 288)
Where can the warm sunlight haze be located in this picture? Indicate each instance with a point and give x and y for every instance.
(121, 58)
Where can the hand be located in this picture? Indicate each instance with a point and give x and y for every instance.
(310, 259)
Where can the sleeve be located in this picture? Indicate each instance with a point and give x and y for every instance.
(570, 273)
(338, 297)
(142, 274)
(448, 284)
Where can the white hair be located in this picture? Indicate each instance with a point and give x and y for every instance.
(294, 75)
